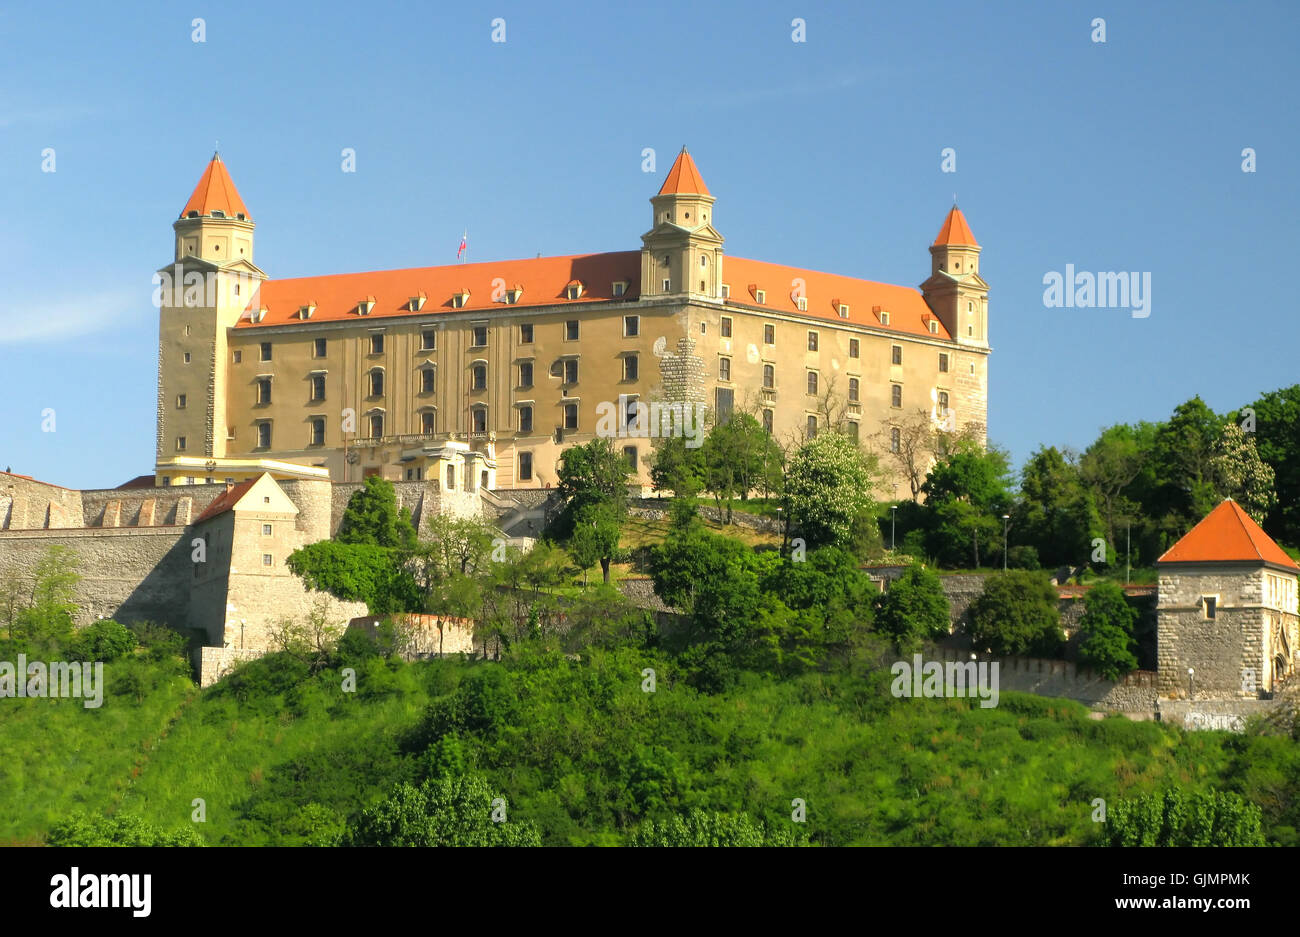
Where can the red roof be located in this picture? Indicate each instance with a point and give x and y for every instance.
(825, 292)
(955, 230)
(226, 501)
(542, 279)
(684, 178)
(216, 191)
(140, 481)
(1227, 534)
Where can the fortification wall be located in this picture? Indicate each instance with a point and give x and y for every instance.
(26, 504)
(1223, 715)
(456, 634)
(127, 573)
(146, 507)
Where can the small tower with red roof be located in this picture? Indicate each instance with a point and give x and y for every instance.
(1226, 614)
(681, 254)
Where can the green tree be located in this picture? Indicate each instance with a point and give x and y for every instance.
(443, 811)
(1017, 614)
(371, 517)
(1112, 470)
(104, 640)
(1277, 438)
(596, 531)
(966, 494)
(709, 828)
(358, 572)
(1172, 818)
(828, 485)
(1055, 513)
(1107, 642)
(1239, 472)
(1184, 450)
(45, 623)
(83, 829)
(589, 474)
(913, 608)
(737, 457)
(676, 467)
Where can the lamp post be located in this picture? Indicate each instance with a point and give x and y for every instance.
(1191, 682)
(1128, 555)
(1006, 519)
(893, 518)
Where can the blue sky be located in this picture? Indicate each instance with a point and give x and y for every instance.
(825, 154)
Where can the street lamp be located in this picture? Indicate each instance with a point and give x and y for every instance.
(1191, 681)
(1128, 555)
(1006, 518)
(893, 517)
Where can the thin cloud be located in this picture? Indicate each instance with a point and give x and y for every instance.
(33, 321)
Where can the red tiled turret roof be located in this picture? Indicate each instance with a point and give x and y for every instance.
(216, 191)
(955, 230)
(684, 178)
(1227, 534)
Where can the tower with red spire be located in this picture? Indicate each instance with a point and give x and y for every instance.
(681, 254)
(200, 296)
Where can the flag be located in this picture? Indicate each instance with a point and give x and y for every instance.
(464, 243)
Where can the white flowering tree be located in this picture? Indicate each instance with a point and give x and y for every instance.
(828, 487)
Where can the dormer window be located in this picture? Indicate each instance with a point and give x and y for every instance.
(257, 315)
(880, 314)
(573, 290)
(416, 303)
(726, 291)
(304, 312)
(512, 295)
(620, 287)
(760, 297)
(934, 327)
(364, 307)
(843, 309)
(192, 214)
(801, 302)
(218, 213)
(459, 300)
(240, 216)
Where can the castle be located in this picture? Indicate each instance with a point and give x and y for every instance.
(479, 375)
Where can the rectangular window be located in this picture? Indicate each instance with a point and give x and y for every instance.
(264, 435)
(812, 341)
(266, 530)
(943, 401)
(525, 374)
(895, 440)
(724, 399)
(480, 419)
(318, 387)
(480, 336)
(853, 390)
(767, 421)
(896, 395)
(726, 291)
(812, 383)
(525, 419)
(760, 297)
(769, 376)
(318, 348)
(525, 466)
(480, 377)
(180, 401)
(855, 348)
(525, 333)
(266, 351)
(180, 443)
(629, 453)
(570, 416)
(318, 431)
(427, 422)
(377, 344)
(187, 357)
(427, 378)
(571, 330)
(724, 369)
(571, 371)
(943, 362)
(631, 326)
(668, 285)
(263, 390)
(428, 340)
(376, 425)
(769, 335)
(896, 354)
(620, 288)
(630, 365)
(1211, 605)
(812, 426)
(853, 430)
(724, 327)
(266, 559)
(376, 383)
(239, 356)
(451, 478)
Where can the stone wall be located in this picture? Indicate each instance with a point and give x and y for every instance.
(213, 663)
(1134, 693)
(146, 507)
(1221, 649)
(26, 504)
(455, 634)
(127, 573)
(1223, 715)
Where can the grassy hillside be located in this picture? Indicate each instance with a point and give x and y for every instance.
(579, 749)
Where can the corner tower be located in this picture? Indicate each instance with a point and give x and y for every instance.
(211, 281)
(955, 292)
(681, 254)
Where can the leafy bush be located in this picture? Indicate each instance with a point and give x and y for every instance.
(913, 608)
(1173, 818)
(1106, 629)
(83, 829)
(449, 811)
(701, 828)
(104, 640)
(1017, 614)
